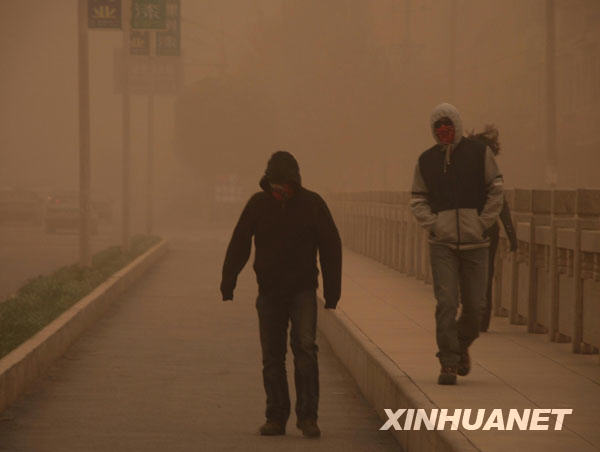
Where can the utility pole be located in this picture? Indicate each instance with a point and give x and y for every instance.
(551, 157)
(126, 143)
(85, 257)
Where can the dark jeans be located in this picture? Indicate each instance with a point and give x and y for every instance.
(494, 235)
(274, 314)
(454, 272)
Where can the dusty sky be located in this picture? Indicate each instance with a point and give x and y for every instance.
(347, 86)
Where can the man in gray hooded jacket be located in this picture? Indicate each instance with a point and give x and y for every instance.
(456, 196)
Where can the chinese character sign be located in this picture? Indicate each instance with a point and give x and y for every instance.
(168, 42)
(148, 14)
(104, 14)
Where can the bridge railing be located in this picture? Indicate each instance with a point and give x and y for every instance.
(550, 285)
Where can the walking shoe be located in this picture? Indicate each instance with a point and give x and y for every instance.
(271, 428)
(447, 375)
(309, 428)
(464, 364)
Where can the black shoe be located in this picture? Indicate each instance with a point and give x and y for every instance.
(447, 375)
(271, 428)
(309, 428)
(464, 364)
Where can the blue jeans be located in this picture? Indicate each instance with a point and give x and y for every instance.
(274, 315)
(457, 275)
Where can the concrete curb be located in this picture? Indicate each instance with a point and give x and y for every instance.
(28, 361)
(384, 384)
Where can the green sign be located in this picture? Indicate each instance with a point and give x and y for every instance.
(168, 43)
(104, 14)
(148, 14)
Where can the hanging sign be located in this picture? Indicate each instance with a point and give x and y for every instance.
(104, 14)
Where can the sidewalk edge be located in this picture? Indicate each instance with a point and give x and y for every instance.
(384, 384)
(29, 360)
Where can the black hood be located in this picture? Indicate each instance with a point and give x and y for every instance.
(281, 168)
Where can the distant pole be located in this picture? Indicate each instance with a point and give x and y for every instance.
(406, 36)
(126, 144)
(223, 66)
(150, 168)
(452, 50)
(551, 156)
(85, 257)
(150, 156)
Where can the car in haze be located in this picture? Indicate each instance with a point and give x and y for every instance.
(63, 213)
(20, 205)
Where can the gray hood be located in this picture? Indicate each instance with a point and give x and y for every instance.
(448, 111)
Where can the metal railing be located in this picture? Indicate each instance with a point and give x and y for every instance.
(551, 284)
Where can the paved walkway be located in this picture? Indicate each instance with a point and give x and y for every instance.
(172, 368)
(511, 369)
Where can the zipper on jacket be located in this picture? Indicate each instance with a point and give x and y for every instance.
(457, 204)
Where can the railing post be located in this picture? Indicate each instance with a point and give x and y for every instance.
(553, 275)
(410, 247)
(540, 209)
(523, 218)
(577, 337)
(587, 220)
(403, 253)
(563, 211)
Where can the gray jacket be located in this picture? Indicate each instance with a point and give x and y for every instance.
(461, 227)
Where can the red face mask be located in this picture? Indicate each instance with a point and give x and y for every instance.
(282, 191)
(445, 134)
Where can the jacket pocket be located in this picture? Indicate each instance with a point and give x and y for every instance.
(471, 227)
(444, 228)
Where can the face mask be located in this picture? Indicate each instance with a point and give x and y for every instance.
(445, 133)
(282, 191)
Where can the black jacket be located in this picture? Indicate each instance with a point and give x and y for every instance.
(287, 235)
(459, 185)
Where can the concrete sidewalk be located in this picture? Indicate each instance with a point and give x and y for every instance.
(172, 368)
(511, 369)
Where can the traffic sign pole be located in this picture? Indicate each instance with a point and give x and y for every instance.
(126, 126)
(150, 156)
(150, 168)
(85, 257)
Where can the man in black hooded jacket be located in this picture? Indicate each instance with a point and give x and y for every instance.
(289, 224)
